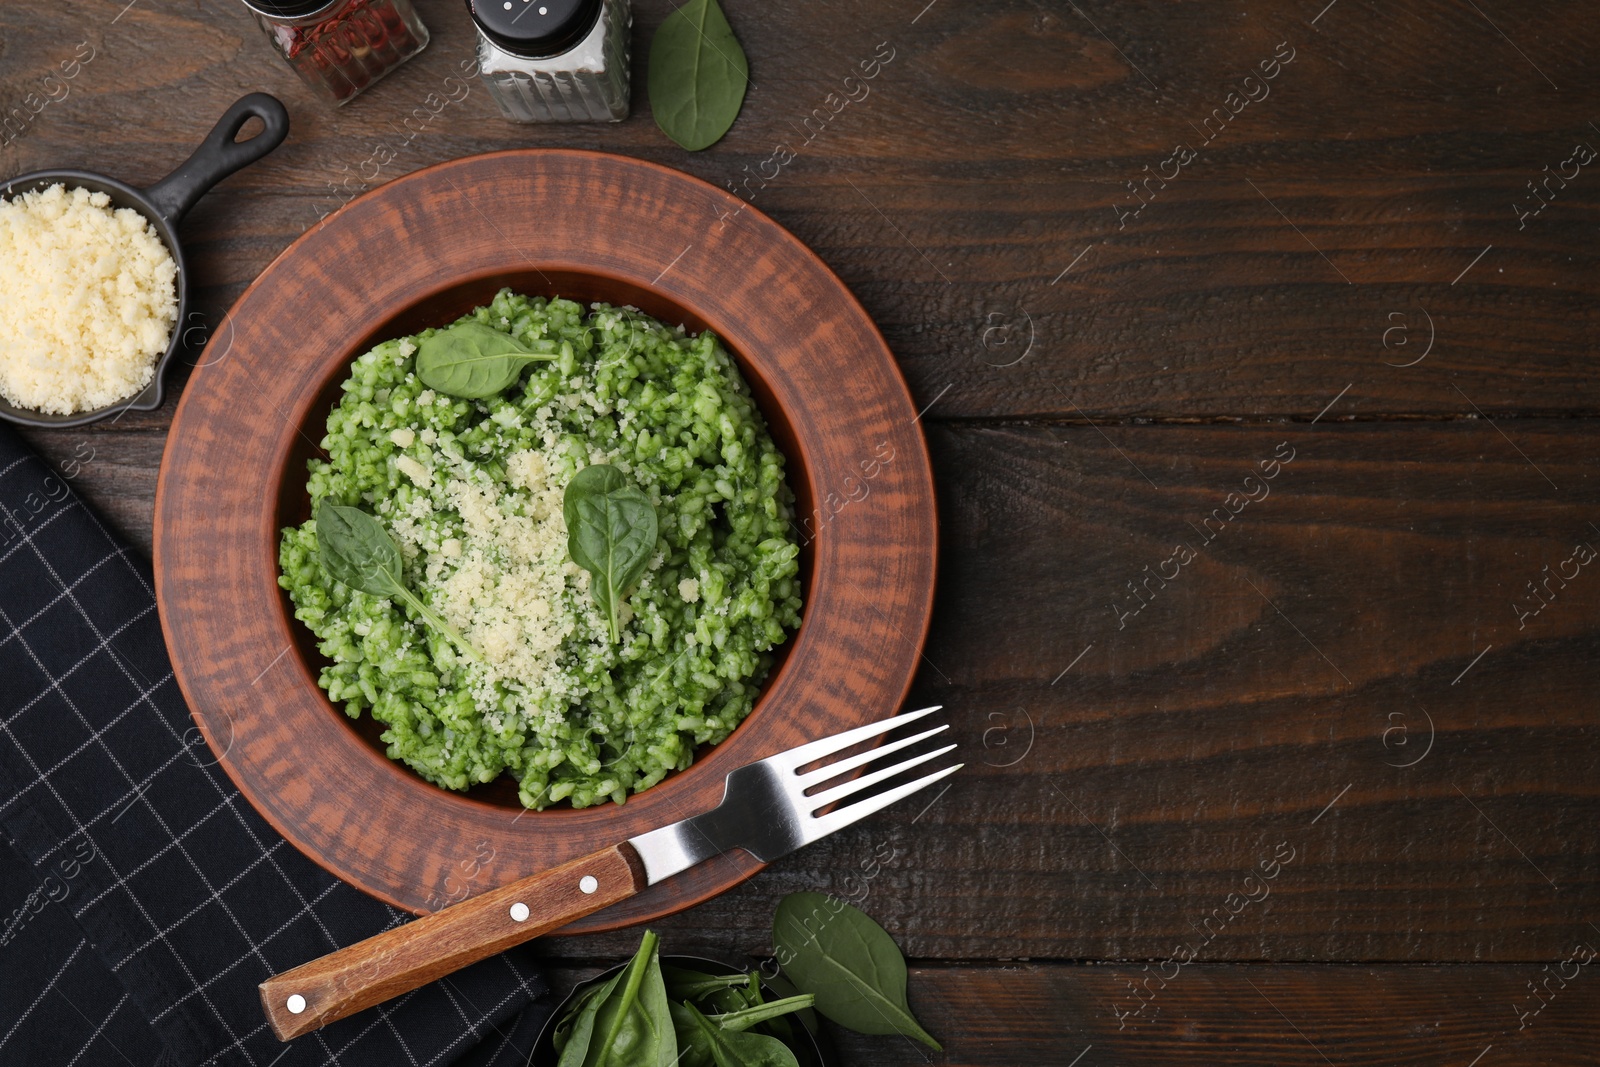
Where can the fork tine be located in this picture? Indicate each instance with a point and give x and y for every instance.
(796, 758)
(827, 824)
(855, 785)
(833, 770)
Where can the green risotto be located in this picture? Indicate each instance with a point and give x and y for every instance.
(471, 492)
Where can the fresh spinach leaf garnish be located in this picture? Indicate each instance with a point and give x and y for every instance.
(698, 75)
(686, 984)
(785, 988)
(613, 1023)
(745, 1018)
(848, 962)
(611, 532)
(715, 1046)
(577, 1026)
(472, 361)
(630, 1024)
(356, 550)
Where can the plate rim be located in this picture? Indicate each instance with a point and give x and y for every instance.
(922, 480)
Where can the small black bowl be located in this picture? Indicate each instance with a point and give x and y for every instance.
(164, 204)
(815, 1051)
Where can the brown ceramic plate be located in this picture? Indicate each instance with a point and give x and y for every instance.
(421, 251)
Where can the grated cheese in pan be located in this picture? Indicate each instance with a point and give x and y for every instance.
(89, 297)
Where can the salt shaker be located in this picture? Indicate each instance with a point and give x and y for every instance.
(340, 47)
(555, 60)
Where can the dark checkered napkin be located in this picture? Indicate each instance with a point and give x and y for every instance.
(141, 898)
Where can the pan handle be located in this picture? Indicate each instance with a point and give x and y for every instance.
(219, 155)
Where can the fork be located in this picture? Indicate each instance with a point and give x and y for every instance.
(765, 810)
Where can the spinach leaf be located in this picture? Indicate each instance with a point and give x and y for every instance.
(693, 1046)
(723, 1001)
(686, 984)
(632, 1022)
(572, 1034)
(472, 361)
(719, 995)
(785, 988)
(752, 989)
(356, 550)
(760, 1013)
(848, 962)
(698, 75)
(611, 532)
(707, 1043)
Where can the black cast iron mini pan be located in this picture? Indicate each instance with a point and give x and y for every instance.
(164, 204)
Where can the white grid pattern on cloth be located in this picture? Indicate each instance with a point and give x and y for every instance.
(507, 999)
(54, 515)
(154, 856)
(289, 922)
(63, 761)
(450, 991)
(243, 824)
(505, 1038)
(198, 908)
(121, 880)
(499, 1050)
(104, 643)
(98, 1030)
(214, 894)
(135, 795)
(112, 1014)
(383, 1010)
(43, 992)
(60, 596)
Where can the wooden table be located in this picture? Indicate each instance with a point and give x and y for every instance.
(1256, 344)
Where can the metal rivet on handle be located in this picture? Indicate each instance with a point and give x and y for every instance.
(519, 911)
(588, 884)
(296, 1004)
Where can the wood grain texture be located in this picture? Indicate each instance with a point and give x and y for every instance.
(1108, 810)
(399, 960)
(991, 150)
(971, 201)
(1284, 1015)
(1400, 551)
(421, 252)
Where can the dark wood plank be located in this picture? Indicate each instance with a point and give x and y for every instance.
(1291, 667)
(114, 467)
(1210, 727)
(1313, 232)
(1189, 742)
(1064, 1015)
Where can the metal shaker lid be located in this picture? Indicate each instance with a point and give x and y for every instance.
(535, 29)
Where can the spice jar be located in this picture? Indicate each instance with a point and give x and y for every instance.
(340, 47)
(555, 60)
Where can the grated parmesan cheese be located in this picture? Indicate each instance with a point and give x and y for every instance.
(91, 296)
(527, 470)
(508, 591)
(414, 470)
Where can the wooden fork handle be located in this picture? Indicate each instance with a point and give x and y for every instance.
(399, 960)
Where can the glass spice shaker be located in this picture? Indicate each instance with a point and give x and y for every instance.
(555, 60)
(340, 47)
